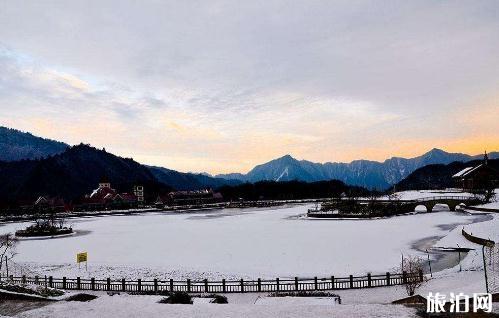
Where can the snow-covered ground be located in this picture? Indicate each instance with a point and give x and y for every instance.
(232, 243)
(125, 306)
(272, 242)
(355, 303)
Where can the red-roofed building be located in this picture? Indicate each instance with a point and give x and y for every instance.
(106, 197)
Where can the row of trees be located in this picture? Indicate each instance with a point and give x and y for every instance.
(289, 190)
(371, 205)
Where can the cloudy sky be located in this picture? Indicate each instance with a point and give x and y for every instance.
(220, 86)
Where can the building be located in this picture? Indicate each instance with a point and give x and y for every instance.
(105, 197)
(479, 177)
(104, 183)
(48, 204)
(195, 197)
(138, 190)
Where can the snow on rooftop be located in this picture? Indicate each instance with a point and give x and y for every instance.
(462, 172)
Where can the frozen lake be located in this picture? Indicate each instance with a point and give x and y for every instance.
(232, 243)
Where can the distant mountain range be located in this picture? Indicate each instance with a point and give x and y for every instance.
(365, 173)
(16, 145)
(189, 181)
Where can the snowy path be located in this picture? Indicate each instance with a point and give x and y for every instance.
(146, 306)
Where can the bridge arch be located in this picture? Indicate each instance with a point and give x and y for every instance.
(441, 207)
(420, 208)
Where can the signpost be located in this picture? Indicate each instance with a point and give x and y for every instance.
(82, 257)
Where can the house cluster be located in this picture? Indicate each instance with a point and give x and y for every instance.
(197, 197)
(479, 177)
(105, 196)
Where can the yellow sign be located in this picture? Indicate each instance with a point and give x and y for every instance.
(81, 257)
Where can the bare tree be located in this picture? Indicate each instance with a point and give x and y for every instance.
(8, 243)
(412, 266)
(350, 204)
(489, 192)
(61, 221)
(373, 206)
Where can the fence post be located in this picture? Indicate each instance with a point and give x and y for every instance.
(421, 275)
(315, 283)
(259, 285)
(50, 281)
(223, 285)
(171, 284)
(205, 285)
(92, 283)
(24, 280)
(351, 281)
(139, 284)
(64, 282)
(296, 283)
(388, 282)
(188, 285)
(404, 277)
(242, 285)
(485, 270)
(277, 283)
(155, 285)
(108, 284)
(36, 280)
(332, 282)
(368, 279)
(78, 286)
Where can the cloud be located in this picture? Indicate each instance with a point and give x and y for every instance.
(222, 86)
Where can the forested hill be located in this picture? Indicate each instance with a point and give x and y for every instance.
(189, 181)
(438, 176)
(71, 175)
(78, 170)
(17, 145)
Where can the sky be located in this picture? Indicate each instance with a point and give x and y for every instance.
(220, 86)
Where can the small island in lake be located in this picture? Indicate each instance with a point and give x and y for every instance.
(44, 227)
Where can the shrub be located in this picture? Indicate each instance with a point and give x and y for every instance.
(178, 297)
(303, 294)
(217, 299)
(81, 297)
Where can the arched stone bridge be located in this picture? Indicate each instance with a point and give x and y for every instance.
(429, 202)
(391, 207)
(450, 201)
